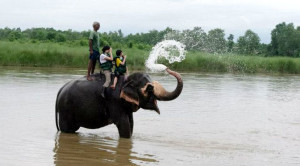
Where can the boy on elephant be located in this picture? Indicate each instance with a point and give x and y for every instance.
(106, 65)
(120, 66)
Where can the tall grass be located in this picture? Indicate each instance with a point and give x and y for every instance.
(197, 61)
(56, 55)
(41, 55)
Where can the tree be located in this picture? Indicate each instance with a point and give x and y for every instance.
(130, 45)
(285, 40)
(11, 37)
(249, 43)
(216, 42)
(194, 39)
(51, 36)
(60, 38)
(230, 43)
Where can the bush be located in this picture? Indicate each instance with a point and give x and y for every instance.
(11, 37)
(130, 45)
(83, 43)
(60, 38)
(143, 47)
(116, 45)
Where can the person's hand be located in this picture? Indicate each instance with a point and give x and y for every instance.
(110, 51)
(124, 56)
(91, 52)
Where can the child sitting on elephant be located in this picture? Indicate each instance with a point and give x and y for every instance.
(106, 59)
(120, 66)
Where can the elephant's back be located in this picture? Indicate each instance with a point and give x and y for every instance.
(83, 99)
(81, 86)
(79, 91)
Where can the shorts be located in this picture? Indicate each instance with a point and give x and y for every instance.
(94, 56)
(117, 73)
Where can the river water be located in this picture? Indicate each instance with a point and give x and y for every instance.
(219, 119)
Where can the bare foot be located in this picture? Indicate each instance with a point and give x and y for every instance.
(113, 87)
(89, 78)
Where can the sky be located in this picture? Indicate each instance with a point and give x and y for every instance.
(132, 16)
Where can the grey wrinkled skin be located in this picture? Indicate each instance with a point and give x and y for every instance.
(79, 103)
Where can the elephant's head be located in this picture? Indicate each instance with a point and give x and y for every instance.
(144, 93)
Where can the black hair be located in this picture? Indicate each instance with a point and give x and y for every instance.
(118, 52)
(105, 48)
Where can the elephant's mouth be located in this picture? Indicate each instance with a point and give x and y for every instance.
(150, 104)
(156, 109)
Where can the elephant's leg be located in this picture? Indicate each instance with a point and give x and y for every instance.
(67, 123)
(124, 127)
(131, 122)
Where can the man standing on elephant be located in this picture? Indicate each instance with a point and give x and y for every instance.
(94, 45)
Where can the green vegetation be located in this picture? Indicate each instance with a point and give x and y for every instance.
(285, 39)
(56, 55)
(211, 51)
(197, 61)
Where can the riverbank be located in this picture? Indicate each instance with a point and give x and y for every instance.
(56, 55)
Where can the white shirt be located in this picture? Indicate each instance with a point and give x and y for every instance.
(102, 58)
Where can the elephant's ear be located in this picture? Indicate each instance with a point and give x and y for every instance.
(129, 94)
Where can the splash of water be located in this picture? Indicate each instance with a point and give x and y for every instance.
(171, 50)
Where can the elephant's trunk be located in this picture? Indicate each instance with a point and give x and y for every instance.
(162, 94)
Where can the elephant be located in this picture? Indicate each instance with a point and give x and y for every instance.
(79, 103)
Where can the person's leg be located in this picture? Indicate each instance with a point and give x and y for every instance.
(107, 78)
(89, 70)
(94, 58)
(113, 86)
(107, 82)
(93, 66)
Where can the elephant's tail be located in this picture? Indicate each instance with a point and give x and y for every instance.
(56, 111)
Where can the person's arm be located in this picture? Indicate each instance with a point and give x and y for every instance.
(122, 63)
(110, 58)
(91, 46)
(127, 72)
(91, 42)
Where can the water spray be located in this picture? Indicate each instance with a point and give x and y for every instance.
(171, 50)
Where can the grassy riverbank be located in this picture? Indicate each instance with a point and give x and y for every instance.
(238, 63)
(56, 55)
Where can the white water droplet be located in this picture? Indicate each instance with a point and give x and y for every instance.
(171, 50)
